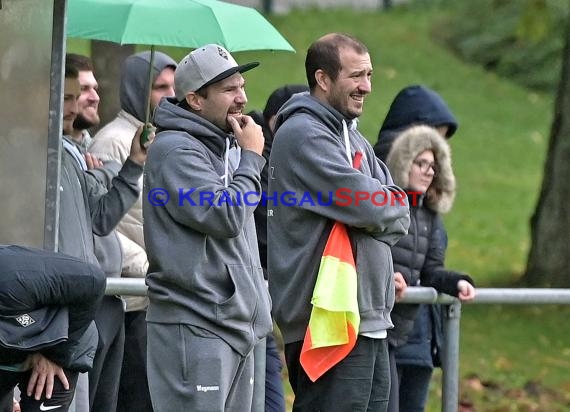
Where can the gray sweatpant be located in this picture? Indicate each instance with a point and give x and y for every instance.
(191, 369)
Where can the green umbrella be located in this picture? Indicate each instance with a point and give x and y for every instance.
(179, 23)
(183, 23)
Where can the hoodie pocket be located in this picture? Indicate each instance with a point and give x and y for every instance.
(240, 306)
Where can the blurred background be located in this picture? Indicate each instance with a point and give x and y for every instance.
(498, 64)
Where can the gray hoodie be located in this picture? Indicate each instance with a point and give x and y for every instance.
(87, 208)
(135, 81)
(204, 267)
(309, 156)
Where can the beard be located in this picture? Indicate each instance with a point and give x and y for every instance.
(81, 123)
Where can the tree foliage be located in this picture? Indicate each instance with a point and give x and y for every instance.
(519, 39)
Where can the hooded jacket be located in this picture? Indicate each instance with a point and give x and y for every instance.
(413, 105)
(419, 255)
(309, 156)
(87, 207)
(113, 142)
(47, 304)
(204, 267)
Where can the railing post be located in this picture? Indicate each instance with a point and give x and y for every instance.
(259, 355)
(450, 361)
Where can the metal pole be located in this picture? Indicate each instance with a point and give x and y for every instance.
(450, 361)
(522, 296)
(53, 171)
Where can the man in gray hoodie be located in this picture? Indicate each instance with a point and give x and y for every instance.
(87, 206)
(313, 150)
(208, 303)
(112, 143)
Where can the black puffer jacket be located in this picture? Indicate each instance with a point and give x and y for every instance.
(47, 304)
(420, 254)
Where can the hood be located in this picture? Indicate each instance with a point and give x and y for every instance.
(413, 105)
(134, 80)
(305, 103)
(406, 147)
(171, 117)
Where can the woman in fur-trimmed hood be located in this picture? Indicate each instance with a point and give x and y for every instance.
(419, 161)
(406, 147)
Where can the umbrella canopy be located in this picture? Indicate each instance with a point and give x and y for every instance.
(181, 23)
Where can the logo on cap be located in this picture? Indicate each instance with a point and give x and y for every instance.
(222, 53)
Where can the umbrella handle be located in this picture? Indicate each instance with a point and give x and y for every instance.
(145, 135)
(149, 90)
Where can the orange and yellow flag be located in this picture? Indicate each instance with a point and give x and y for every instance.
(335, 319)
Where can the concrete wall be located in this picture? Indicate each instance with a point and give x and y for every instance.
(25, 50)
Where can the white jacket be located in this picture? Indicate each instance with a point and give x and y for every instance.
(113, 142)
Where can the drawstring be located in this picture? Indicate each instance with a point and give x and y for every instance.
(75, 153)
(346, 141)
(357, 155)
(227, 162)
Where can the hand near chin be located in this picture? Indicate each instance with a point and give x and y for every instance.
(249, 134)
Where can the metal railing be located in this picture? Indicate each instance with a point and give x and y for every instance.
(450, 359)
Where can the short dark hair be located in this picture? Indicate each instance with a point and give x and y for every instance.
(80, 62)
(71, 72)
(279, 97)
(324, 54)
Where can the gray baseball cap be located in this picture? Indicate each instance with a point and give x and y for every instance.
(204, 66)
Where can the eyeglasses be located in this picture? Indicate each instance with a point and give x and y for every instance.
(424, 166)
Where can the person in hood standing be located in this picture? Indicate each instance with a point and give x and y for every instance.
(112, 142)
(419, 105)
(208, 302)
(315, 141)
(420, 161)
(414, 105)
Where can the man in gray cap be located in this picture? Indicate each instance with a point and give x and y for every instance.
(112, 143)
(209, 305)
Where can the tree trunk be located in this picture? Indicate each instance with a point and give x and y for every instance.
(549, 257)
(107, 61)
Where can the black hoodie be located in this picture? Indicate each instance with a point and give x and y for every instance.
(413, 105)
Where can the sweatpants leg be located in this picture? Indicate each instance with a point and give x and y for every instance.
(394, 402)
(80, 401)
(133, 389)
(106, 373)
(274, 396)
(191, 369)
(60, 399)
(6, 400)
(414, 387)
(8, 380)
(258, 400)
(360, 382)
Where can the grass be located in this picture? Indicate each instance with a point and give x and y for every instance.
(498, 159)
(498, 156)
